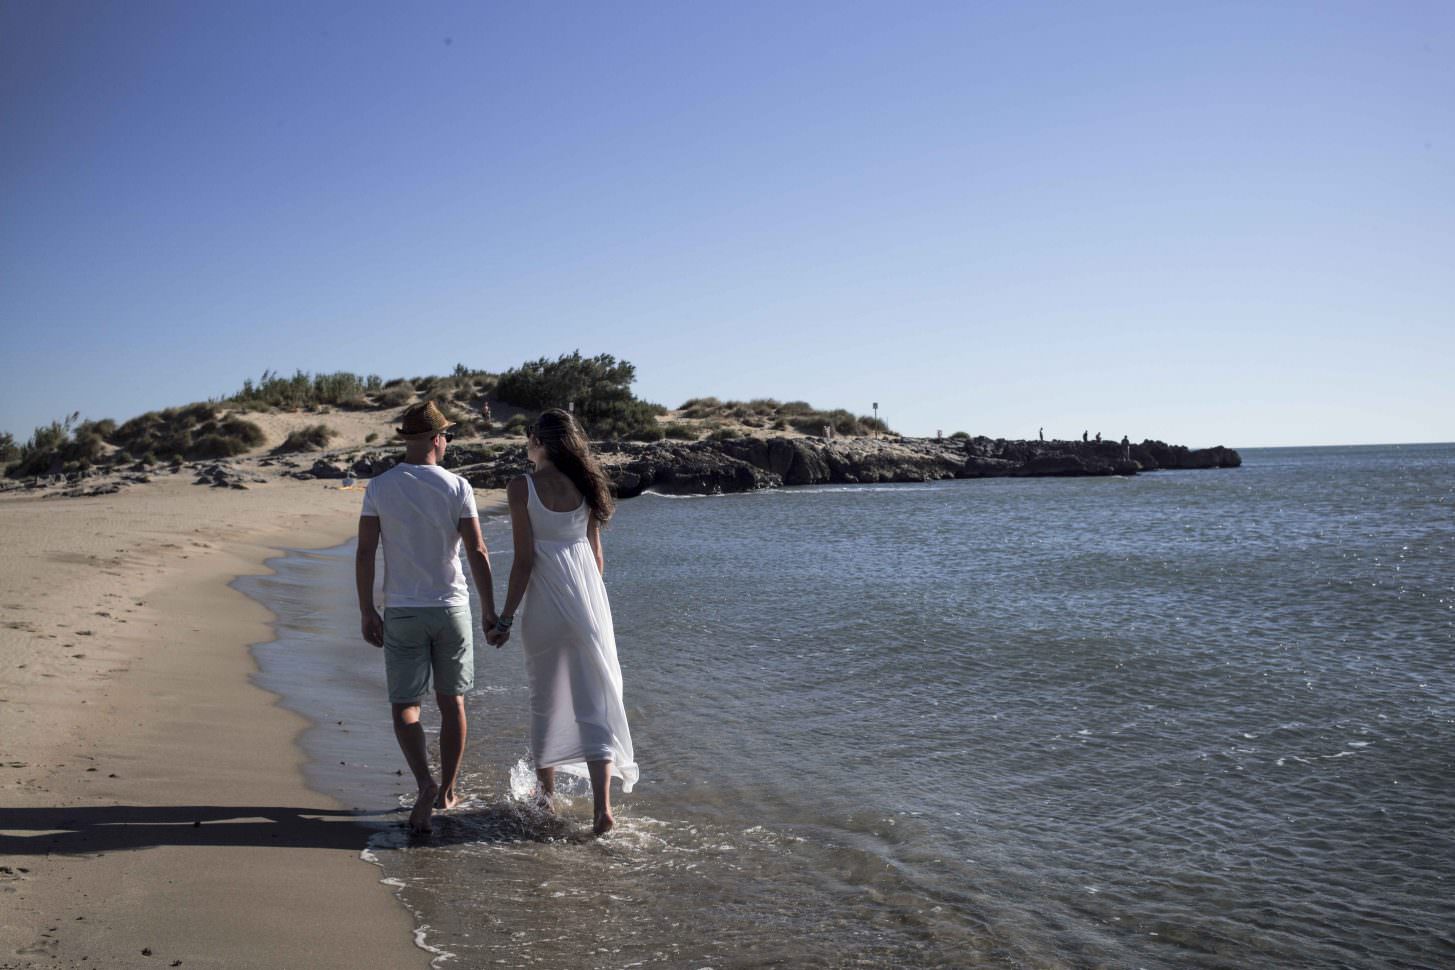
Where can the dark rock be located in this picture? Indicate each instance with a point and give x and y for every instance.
(371, 464)
(324, 468)
(220, 475)
(673, 468)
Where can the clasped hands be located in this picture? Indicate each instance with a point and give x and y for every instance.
(495, 636)
(372, 628)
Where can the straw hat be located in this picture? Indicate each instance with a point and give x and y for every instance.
(422, 419)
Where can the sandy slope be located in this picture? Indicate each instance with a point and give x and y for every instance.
(127, 717)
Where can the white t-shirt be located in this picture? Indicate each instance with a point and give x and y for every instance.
(419, 509)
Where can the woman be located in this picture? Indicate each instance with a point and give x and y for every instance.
(577, 715)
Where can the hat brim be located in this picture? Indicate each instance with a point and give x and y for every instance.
(427, 431)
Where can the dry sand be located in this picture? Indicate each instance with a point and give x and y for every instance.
(127, 718)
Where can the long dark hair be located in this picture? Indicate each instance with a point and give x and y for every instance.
(567, 448)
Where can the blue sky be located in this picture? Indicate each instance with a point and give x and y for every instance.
(1208, 223)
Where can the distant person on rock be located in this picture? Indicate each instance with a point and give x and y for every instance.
(422, 514)
(1041, 434)
(1098, 437)
(1126, 449)
(1083, 437)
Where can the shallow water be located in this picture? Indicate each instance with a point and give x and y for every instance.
(1190, 719)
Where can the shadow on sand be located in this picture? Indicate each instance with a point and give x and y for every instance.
(95, 829)
(84, 830)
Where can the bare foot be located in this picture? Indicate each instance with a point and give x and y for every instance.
(546, 802)
(604, 823)
(419, 819)
(447, 799)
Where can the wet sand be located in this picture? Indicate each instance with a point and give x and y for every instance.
(153, 807)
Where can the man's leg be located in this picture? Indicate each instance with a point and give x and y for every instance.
(452, 653)
(410, 734)
(452, 746)
(406, 665)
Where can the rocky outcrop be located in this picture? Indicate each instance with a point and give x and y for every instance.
(699, 468)
(222, 475)
(744, 464)
(747, 464)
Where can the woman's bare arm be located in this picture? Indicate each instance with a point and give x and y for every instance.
(593, 534)
(525, 547)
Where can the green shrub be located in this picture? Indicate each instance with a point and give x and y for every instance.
(646, 433)
(371, 437)
(599, 388)
(517, 424)
(60, 447)
(625, 420)
(9, 450)
(841, 421)
(443, 389)
(314, 437)
(723, 434)
(958, 435)
(194, 432)
(302, 390)
(395, 394)
(680, 432)
(211, 446)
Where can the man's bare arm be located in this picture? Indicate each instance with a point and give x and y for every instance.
(370, 623)
(479, 559)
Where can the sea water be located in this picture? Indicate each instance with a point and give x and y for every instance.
(1186, 719)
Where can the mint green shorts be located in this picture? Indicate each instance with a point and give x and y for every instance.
(428, 642)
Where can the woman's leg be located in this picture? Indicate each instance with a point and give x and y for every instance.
(547, 779)
(600, 796)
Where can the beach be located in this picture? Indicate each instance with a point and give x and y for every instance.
(154, 807)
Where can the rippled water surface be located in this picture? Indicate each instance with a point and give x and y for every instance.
(1189, 719)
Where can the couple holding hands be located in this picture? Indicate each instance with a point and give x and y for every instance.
(555, 599)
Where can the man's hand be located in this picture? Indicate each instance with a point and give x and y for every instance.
(372, 627)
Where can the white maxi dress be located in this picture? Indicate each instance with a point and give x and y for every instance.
(576, 709)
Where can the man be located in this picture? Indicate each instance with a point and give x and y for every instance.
(423, 514)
